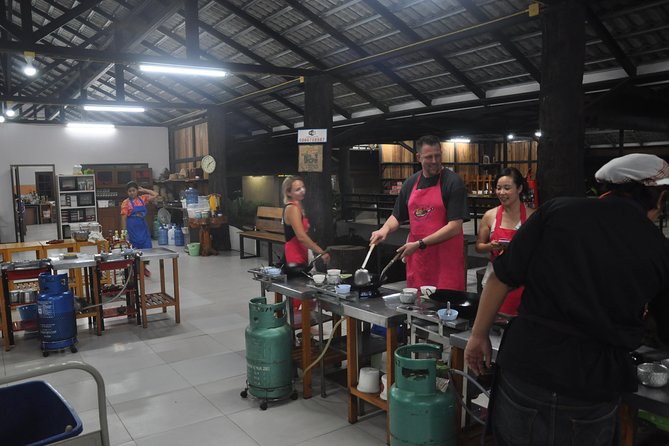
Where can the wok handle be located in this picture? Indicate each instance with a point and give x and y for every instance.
(385, 270)
(371, 248)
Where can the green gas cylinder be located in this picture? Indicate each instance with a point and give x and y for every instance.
(419, 413)
(269, 367)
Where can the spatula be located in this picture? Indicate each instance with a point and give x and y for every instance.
(369, 253)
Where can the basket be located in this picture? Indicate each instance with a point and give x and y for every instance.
(194, 249)
(38, 415)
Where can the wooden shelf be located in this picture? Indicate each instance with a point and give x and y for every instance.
(371, 398)
(159, 300)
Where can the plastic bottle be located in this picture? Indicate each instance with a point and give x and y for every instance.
(192, 196)
(178, 237)
(162, 236)
(170, 235)
(156, 227)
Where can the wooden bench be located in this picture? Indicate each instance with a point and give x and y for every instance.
(269, 228)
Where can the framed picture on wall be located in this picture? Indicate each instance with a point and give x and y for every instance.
(310, 158)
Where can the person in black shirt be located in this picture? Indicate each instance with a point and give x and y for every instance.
(591, 268)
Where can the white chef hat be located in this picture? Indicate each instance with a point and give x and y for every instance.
(649, 170)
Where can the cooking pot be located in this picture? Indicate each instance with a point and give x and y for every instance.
(80, 236)
(466, 303)
(29, 296)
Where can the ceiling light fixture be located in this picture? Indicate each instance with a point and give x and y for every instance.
(10, 112)
(90, 125)
(29, 69)
(115, 108)
(537, 133)
(2, 119)
(459, 139)
(182, 69)
(510, 136)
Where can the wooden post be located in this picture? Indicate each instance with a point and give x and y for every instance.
(318, 201)
(344, 173)
(560, 169)
(219, 140)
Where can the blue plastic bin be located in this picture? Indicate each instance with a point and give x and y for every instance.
(38, 415)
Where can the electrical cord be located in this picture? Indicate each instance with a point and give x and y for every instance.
(325, 349)
(113, 299)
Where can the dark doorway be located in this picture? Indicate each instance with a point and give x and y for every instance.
(44, 182)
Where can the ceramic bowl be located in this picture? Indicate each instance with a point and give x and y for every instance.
(271, 271)
(319, 279)
(427, 290)
(343, 288)
(407, 298)
(652, 375)
(444, 315)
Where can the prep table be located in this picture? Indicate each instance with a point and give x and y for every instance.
(161, 299)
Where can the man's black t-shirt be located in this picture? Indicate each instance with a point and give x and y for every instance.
(589, 267)
(453, 193)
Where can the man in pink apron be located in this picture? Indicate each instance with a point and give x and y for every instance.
(434, 201)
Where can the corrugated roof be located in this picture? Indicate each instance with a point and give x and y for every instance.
(324, 34)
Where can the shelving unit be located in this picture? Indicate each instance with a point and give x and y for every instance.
(77, 202)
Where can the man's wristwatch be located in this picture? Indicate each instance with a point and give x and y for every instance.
(421, 244)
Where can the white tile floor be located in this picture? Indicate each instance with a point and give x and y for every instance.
(174, 384)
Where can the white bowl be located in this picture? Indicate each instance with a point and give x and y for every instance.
(407, 298)
(652, 375)
(319, 279)
(335, 272)
(343, 288)
(427, 290)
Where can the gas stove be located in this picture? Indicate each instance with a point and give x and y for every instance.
(425, 312)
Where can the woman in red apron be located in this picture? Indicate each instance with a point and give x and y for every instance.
(296, 225)
(500, 224)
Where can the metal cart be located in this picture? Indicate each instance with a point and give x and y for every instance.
(95, 438)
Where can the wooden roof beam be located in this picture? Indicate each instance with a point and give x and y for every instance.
(300, 52)
(397, 23)
(338, 35)
(506, 43)
(225, 88)
(610, 42)
(60, 21)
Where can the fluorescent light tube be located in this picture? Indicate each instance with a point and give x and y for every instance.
(177, 69)
(90, 125)
(115, 108)
(458, 140)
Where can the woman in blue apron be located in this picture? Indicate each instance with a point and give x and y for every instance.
(133, 216)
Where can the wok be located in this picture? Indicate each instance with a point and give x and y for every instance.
(299, 269)
(466, 303)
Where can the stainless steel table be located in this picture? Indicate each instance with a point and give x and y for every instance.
(162, 299)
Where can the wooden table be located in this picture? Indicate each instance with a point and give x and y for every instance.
(162, 299)
(8, 249)
(205, 225)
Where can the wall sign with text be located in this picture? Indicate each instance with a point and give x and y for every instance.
(312, 136)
